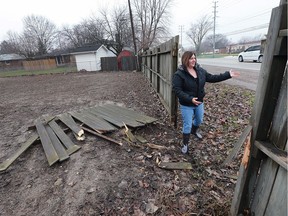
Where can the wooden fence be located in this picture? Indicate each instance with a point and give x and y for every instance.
(42, 64)
(158, 65)
(261, 187)
(127, 63)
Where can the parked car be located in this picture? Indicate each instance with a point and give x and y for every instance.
(251, 54)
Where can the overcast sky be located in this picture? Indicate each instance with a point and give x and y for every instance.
(232, 16)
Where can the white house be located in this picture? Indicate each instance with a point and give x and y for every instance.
(89, 56)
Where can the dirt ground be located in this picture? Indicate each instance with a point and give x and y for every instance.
(103, 178)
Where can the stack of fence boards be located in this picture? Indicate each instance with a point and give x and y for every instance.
(57, 144)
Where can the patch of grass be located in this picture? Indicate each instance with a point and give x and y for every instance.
(215, 56)
(37, 72)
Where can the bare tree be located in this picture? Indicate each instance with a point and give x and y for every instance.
(88, 31)
(6, 47)
(39, 31)
(220, 42)
(22, 44)
(118, 29)
(152, 21)
(198, 31)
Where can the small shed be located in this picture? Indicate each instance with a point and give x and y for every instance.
(11, 61)
(88, 57)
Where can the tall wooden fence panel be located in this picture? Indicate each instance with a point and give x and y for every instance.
(109, 64)
(261, 187)
(159, 65)
(41, 64)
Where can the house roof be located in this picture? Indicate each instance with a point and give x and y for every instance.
(9, 57)
(86, 48)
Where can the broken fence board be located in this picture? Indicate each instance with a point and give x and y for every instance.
(90, 123)
(102, 122)
(136, 115)
(125, 113)
(61, 151)
(48, 147)
(105, 116)
(238, 144)
(4, 165)
(102, 136)
(69, 122)
(175, 165)
(131, 122)
(71, 147)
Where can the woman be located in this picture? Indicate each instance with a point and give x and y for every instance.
(188, 85)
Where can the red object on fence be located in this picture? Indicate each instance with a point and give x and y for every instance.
(121, 55)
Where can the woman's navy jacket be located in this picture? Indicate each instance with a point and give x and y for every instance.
(184, 85)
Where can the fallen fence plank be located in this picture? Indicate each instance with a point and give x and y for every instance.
(71, 147)
(61, 151)
(154, 146)
(132, 113)
(114, 113)
(48, 147)
(175, 165)
(69, 122)
(102, 136)
(102, 122)
(238, 144)
(90, 123)
(105, 116)
(4, 165)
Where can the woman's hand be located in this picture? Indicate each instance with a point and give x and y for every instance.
(234, 73)
(194, 101)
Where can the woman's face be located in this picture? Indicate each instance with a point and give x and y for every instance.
(192, 61)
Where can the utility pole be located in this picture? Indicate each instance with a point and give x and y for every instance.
(133, 35)
(214, 27)
(181, 27)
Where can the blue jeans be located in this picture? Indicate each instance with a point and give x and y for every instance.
(191, 115)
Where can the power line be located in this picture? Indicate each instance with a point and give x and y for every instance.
(247, 29)
(247, 18)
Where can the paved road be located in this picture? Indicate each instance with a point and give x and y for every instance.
(249, 70)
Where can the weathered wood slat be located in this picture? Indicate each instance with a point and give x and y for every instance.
(104, 124)
(277, 155)
(238, 144)
(264, 187)
(117, 114)
(135, 115)
(106, 117)
(175, 165)
(71, 147)
(91, 123)
(59, 148)
(119, 117)
(276, 205)
(48, 147)
(4, 165)
(69, 122)
(283, 33)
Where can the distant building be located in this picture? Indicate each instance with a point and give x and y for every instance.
(239, 47)
(88, 57)
(11, 62)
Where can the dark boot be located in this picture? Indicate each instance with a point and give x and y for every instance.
(194, 131)
(185, 148)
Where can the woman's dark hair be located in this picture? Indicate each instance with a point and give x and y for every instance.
(186, 56)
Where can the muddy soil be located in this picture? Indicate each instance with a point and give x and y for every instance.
(103, 178)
